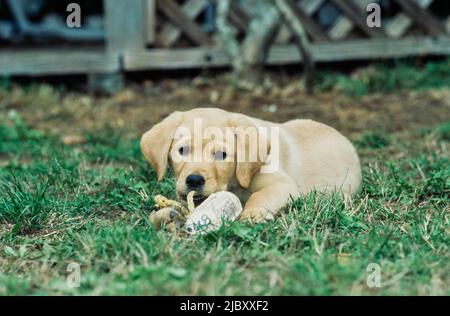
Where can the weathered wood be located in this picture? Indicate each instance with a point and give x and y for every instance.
(125, 25)
(170, 33)
(287, 54)
(369, 49)
(398, 25)
(357, 16)
(309, 7)
(128, 32)
(173, 12)
(340, 29)
(343, 26)
(421, 17)
(308, 23)
(56, 62)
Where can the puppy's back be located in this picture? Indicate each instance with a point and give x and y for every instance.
(325, 159)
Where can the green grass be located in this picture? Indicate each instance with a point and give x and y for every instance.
(89, 204)
(387, 77)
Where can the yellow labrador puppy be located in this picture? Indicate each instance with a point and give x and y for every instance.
(264, 163)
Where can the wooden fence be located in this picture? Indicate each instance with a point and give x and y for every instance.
(171, 34)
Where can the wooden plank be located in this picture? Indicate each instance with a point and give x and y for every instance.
(368, 49)
(171, 9)
(170, 33)
(288, 54)
(150, 21)
(422, 17)
(343, 26)
(176, 58)
(56, 62)
(307, 22)
(309, 7)
(125, 25)
(357, 17)
(340, 29)
(399, 24)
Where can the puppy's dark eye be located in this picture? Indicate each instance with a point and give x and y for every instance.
(220, 155)
(184, 151)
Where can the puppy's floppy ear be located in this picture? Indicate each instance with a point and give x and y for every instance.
(156, 143)
(249, 155)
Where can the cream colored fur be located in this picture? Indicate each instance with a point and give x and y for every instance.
(312, 156)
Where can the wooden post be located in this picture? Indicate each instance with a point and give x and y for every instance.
(125, 25)
(126, 29)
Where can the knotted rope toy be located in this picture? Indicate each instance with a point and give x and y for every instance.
(208, 216)
(171, 213)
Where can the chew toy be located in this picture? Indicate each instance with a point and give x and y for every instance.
(208, 216)
(217, 209)
(171, 213)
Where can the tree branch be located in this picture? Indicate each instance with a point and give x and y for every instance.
(287, 9)
(227, 33)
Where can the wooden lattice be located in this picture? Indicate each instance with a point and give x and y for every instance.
(179, 18)
(163, 34)
(410, 28)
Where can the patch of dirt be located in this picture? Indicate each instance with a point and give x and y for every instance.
(138, 107)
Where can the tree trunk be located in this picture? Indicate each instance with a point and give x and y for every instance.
(248, 57)
(287, 9)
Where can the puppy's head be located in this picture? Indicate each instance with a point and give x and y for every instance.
(206, 148)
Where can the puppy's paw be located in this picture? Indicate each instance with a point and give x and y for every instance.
(256, 215)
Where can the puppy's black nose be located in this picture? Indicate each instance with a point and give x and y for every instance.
(194, 181)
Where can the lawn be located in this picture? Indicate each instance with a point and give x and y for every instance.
(86, 201)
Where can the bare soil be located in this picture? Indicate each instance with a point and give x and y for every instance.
(139, 106)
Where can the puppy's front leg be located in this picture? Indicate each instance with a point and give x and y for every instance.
(268, 200)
